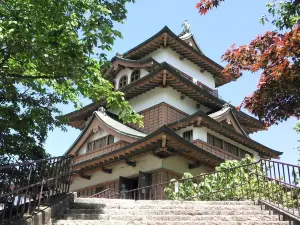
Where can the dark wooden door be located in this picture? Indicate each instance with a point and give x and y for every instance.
(144, 181)
(126, 184)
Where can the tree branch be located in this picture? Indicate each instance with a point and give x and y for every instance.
(33, 77)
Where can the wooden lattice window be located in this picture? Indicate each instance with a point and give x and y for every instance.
(110, 139)
(100, 143)
(123, 81)
(188, 135)
(215, 141)
(233, 149)
(135, 75)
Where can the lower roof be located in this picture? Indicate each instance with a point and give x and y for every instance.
(174, 143)
(202, 119)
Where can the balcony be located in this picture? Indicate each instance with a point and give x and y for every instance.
(215, 150)
(203, 86)
(99, 152)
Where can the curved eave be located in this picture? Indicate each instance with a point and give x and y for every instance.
(117, 127)
(188, 37)
(181, 47)
(174, 78)
(119, 63)
(143, 145)
(224, 130)
(223, 113)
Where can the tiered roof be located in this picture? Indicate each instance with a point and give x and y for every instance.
(225, 120)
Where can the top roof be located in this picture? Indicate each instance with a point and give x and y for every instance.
(166, 38)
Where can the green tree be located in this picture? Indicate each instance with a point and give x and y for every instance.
(51, 52)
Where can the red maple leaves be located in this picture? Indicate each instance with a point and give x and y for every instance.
(205, 5)
(278, 57)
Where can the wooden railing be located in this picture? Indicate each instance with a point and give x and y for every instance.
(203, 86)
(99, 152)
(215, 150)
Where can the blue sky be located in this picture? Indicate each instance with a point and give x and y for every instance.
(234, 22)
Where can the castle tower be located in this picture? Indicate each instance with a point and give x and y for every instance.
(187, 126)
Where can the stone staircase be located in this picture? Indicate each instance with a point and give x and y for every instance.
(95, 211)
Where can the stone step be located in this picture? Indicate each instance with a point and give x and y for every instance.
(74, 212)
(78, 205)
(174, 217)
(158, 202)
(123, 222)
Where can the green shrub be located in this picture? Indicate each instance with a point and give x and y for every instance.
(233, 180)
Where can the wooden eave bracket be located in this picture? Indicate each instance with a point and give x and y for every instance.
(164, 78)
(106, 170)
(165, 40)
(130, 163)
(194, 165)
(164, 141)
(84, 176)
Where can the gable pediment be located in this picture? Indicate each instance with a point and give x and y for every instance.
(227, 117)
(103, 125)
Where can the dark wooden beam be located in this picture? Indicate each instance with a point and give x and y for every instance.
(84, 176)
(105, 170)
(163, 141)
(165, 40)
(194, 165)
(164, 78)
(130, 163)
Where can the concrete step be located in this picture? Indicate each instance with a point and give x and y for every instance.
(158, 202)
(79, 205)
(173, 217)
(147, 212)
(123, 222)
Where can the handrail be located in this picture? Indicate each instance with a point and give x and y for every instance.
(26, 186)
(102, 192)
(266, 180)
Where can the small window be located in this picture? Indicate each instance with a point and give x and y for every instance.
(110, 139)
(123, 81)
(135, 75)
(100, 143)
(188, 135)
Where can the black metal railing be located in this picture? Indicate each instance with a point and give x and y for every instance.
(267, 181)
(107, 193)
(25, 187)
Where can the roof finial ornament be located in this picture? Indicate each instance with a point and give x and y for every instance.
(102, 110)
(226, 105)
(186, 27)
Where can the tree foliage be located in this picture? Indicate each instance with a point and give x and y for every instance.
(51, 52)
(233, 180)
(276, 54)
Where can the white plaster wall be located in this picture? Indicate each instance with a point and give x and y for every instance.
(99, 134)
(144, 163)
(181, 165)
(255, 154)
(128, 72)
(201, 133)
(198, 132)
(186, 66)
(159, 95)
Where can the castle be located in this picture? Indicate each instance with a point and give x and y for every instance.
(188, 127)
